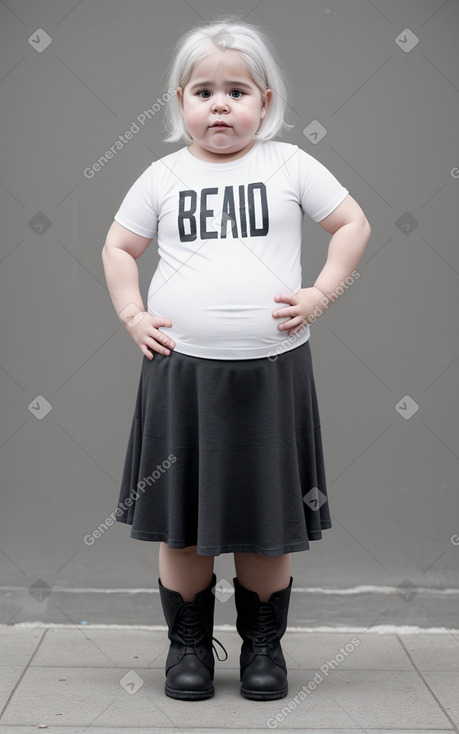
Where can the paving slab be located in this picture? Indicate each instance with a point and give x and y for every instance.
(9, 674)
(433, 652)
(85, 646)
(144, 648)
(112, 680)
(84, 696)
(17, 644)
(445, 686)
(345, 650)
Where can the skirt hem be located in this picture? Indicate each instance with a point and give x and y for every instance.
(230, 548)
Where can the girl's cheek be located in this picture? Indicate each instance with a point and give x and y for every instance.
(248, 120)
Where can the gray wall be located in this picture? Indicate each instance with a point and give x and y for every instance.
(390, 111)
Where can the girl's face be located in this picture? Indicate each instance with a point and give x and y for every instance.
(222, 107)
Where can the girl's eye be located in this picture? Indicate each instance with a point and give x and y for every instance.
(206, 93)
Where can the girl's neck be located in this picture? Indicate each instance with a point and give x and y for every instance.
(204, 155)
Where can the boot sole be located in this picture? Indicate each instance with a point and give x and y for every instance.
(263, 695)
(189, 695)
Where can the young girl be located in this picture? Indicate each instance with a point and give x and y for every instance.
(225, 452)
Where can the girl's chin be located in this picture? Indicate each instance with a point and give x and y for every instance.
(218, 147)
(225, 143)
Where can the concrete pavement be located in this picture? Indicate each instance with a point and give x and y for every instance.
(73, 678)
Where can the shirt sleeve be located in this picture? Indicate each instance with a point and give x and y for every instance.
(319, 191)
(137, 211)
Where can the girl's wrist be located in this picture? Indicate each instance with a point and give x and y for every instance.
(131, 315)
(323, 299)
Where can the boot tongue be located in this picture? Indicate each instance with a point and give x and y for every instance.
(189, 627)
(264, 624)
(188, 624)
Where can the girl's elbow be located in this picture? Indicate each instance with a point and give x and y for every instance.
(105, 252)
(366, 227)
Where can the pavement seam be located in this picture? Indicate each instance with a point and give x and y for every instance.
(434, 696)
(345, 629)
(19, 680)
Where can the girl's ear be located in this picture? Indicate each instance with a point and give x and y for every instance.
(267, 97)
(180, 98)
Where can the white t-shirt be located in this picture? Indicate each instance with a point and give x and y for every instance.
(229, 239)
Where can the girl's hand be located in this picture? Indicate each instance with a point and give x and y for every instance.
(300, 310)
(144, 329)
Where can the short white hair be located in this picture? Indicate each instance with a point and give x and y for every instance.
(254, 47)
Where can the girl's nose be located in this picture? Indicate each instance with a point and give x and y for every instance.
(219, 102)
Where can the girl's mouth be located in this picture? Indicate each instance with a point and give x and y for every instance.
(220, 123)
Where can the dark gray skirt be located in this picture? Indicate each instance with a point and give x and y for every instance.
(226, 455)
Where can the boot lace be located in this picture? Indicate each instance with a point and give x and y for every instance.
(190, 628)
(264, 625)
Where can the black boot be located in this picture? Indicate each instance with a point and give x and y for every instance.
(261, 626)
(190, 661)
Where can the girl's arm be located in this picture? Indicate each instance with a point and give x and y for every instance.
(119, 254)
(351, 232)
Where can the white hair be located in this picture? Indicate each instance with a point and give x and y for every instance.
(253, 46)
